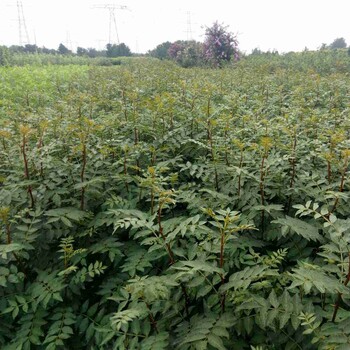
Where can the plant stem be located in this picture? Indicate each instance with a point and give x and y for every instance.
(126, 172)
(262, 194)
(329, 171)
(341, 186)
(293, 172)
(136, 141)
(187, 299)
(8, 234)
(26, 170)
(239, 176)
(82, 175)
(221, 264)
(222, 245)
(4, 144)
(171, 258)
(226, 148)
(125, 105)
(151, 318)
(9, 241)
(339, 299)
(152, 201)
(160, 230)
(210, 139)
(40, 145)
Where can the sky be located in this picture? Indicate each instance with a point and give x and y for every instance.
(282, 25)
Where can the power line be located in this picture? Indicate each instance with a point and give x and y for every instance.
(22, 27)
(112, 18)
(69, 43)
(189, 34)
(189, 24)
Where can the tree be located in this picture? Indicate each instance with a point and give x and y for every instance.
(63, 50)
(175, 49)
(219, 45)
(161, 51)
(256, 51)
(5, 56)
(30, 48)
(186, 53)
(338, 43)
(81, 51)
(17, 49)
(48, 51)
(91, 52)
(118, 50)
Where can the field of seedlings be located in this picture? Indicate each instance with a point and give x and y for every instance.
(147, 206)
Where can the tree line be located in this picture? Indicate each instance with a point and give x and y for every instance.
(111, 50)
(219, 47)
(193, 53)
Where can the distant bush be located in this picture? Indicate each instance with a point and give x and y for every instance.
(186, 53)
(5, 56)
(118, 50)
(48, 59)
(220, 45)
(323, 62)
(338, 43)
(161, 51)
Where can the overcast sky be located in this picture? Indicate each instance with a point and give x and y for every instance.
(284, 25)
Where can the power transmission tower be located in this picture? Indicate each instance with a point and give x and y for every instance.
(189, 26)
(22, 27)
(112, 18)
(69, 44)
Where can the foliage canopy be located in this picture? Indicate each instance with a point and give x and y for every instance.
(146, 206)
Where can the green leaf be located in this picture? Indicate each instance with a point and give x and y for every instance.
(67, 212)
(283, 319)
(248, 323)
(332, 218)
(204, 291)
(271, 316)
(9, 248)
(261, 318)
(156, 342)
(66, 221)
(2, 281)
(300, 227)
(273, 299)
(295, 321)
(197, 265)
(216, 342)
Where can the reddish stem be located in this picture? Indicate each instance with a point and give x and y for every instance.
(239, 177)
(26, 170)
(151, 318)
(40, 145)
(222, 245)
(339, 299)
(262, 195)
(82, 176)
(293, 173)
(126, 173)
(8, 234)
(221, 264)
(171, 258)
(160, 230)
(341, 186)
(329, 171)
